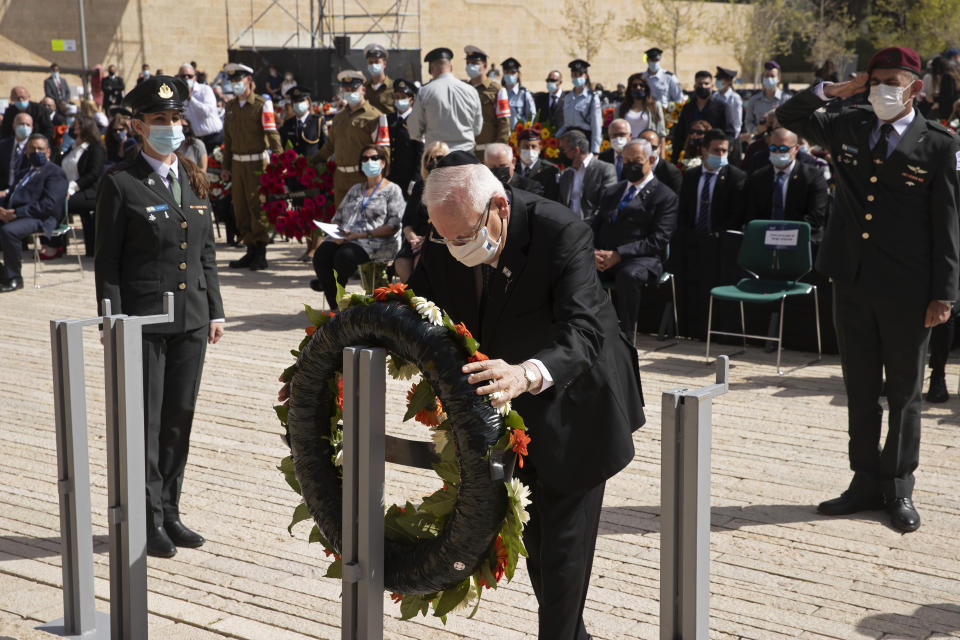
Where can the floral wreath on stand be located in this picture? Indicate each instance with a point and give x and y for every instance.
(407, 527)
(219, 189)
(294, 193)
(548, 141)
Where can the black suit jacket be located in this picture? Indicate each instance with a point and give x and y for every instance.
(643, 229)
(726, 207)
(43, 196)
(306, 139)
(12, 164)
(41, 120)
(552, 116)
(894, 233)
(528, 185)
(545, 302)
(597, 177)
(806, 196)
(405, 154)
(143, 237)
(90, 170)
(714, 112)
(669, 174)
(544, 172)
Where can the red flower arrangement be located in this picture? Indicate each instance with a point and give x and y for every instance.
(290, 171)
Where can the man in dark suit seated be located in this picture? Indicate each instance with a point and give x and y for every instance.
(530, 165)
(519, 271)
(618, 131)
(20, 102)
(582, 183)
(34, 204)
(498, 157)
(13, 162)
(637, 218)
(787, 189)
(665, 172)
(711, 202)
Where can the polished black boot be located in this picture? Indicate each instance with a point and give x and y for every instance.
(259, 261)
(247, 258)
(159, 544)
(182, 536)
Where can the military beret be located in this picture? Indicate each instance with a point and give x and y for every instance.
(578, 65)
(235, 71)
(297, 93)
(771, 64)
(529, 134)
(350, 76)
(895, 58)
(726, 73)
(375, 51)
(654, 52)
(404, 86)
(457, 159)
(157, 93)
(475, 53)
(440, 53)
(510, 64)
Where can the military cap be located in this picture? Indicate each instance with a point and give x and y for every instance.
(529, 134)
(952, 52)
(771, 64)
(654, 52)
(351, 77)
(895, 58)
(578, 65)
(375, 51)
(510, 64)
(457, 159)
(474, 53)
(235, 71)
(298, 93)
(118, 110)
(440, 53)
(157, 93)
(726, 73)
(404, 86)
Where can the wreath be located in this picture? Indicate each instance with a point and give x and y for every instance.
(294, 193)
(464, 537)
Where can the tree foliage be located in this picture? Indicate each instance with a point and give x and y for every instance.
(669, 24)
(587, 27)
(928, 26)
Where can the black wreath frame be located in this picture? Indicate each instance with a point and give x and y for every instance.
(429, 565)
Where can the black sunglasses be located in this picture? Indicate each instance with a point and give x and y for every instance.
(781, 149)
(376, 157)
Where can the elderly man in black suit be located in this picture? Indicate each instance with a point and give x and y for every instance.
(549, 103)
(519, 271)
(13, 161)
(582, 183)
(498, 157)
(35, 203)
(20, 102)
(637, 218)
(665, 172)
(532, 166)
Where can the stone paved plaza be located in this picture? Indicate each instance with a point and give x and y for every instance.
(778, 570)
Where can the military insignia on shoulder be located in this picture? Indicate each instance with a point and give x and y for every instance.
(165, 91)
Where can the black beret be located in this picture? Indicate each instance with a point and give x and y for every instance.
(157, 93)
(440, 53)
(457, 159)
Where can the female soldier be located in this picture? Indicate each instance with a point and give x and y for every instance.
(155, 234)
(581, 107)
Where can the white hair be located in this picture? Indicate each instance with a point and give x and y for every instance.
(468, 188)
(188, 65)
(621, 121)
(645, 147)
(498, 149)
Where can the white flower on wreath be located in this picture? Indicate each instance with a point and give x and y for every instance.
(468, 599)
(519, 495)
(406, 371)
(428, 310)
(339, 459)
(505, 409)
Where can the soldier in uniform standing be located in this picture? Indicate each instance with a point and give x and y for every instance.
(353, 128)
(522, 107)
(404, 150)
(664, 86)
(249, 136)
(304, 130)
(155, 234)
(494, 129)
(891, 249)
(379, 88)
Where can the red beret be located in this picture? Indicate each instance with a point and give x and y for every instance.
(528, 134)
(895, 58)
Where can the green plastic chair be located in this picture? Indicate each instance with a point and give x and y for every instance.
(777, 254)
(64, 229)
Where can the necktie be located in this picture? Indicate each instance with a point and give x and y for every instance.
(174, 187)
(625, 200)
(703, 211)
(778, 195)
(619, 166)
(21, 184)
(880, 152)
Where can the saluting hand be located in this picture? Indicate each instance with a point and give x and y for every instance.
(216, 332)
(938, 312)
(847, 89)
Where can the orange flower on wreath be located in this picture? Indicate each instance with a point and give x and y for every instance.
(477, 357)
(340, 393)
(518, 442)
(500, 567)
(380, 293)
(311, 330)
(396, 597)
(462, 330)
(429, 417)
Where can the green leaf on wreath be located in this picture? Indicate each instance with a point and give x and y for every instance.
(472, 345)
(450, 598)
(286, 467)
(514, 421)
(300, 514)
(484, 570)
(287, 374)
(342, 300)
(314, 317)
(315, 535)
(479, 589)
(289, 145)
(335, 570)
(303, 343)
(282, 412)
(440, 503)
(413, 604)
(424, 397)
(449, 471)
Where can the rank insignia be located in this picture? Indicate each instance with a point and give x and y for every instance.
(916, 169)
(165, 91)
(152, 218)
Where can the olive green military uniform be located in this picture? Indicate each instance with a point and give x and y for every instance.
(350, 131)
(243, 139)
(494, 129)
(382, 97)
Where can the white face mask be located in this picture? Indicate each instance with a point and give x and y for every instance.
(780, 160)
(618, 143)
(887, 101)
(301, 108)
(529, 156)
(479, 250)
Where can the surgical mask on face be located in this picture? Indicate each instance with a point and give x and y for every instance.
(146, 73)
(501, 173)
(353, 98)
(579, 81)
(639, 94)
(887, 101)
(22, 104)
(370, 168)
(618, 143)
(473, 70)
(529, 156)
(477, 251)
(509, 79)
(804, 148)
(238, 88)
(55, 75)
(300, 108)
(715, 162)
(120, 136)
(375, 69)
(552, 87)
(654, 66)
(402, 105)
(632, 171)
(165, 139)
(702, 92)
(780, 160)
(770, 83)
(721, 85)
(189, 82)
(23, 131)
(38, 158)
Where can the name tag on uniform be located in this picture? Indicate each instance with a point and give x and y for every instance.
(157, 207)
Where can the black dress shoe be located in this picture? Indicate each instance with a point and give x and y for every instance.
(159, 544)
(903, 515)
(11, 285)
(245, 261)
(315, 285)
(850, 502)
(938, 389)
(182, 536)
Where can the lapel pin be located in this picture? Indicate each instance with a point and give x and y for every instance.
(150, 181)
(152, 218)
(507, 272)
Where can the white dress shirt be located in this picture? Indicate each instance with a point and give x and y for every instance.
(576, 190)
(201, 111)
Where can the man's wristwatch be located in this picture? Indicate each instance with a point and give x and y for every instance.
(530, 375)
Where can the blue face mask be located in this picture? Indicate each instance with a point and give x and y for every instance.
(22, 104)
(402, 105)
(353, 98)
(770, 83)
(189, 82)
(579, 81)
(165, 139)
(715, 163)
(552, 87)
(146, 73)
(375, 69)
(370, 168)
(238, 88)
(22, 131)
(301, 107)
(654, 66)
(473, 70)
(38, 158)
(509, 79)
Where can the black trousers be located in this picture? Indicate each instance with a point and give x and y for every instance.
(85, 207)
(560, 539)
(629, 277)
(342, 258)
(212, 140)
(172, 365)
(941, 339)
(876, 337)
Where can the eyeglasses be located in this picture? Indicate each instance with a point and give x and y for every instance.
(184, 76)
(780, 149)
(376, 157)
(462, 240)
